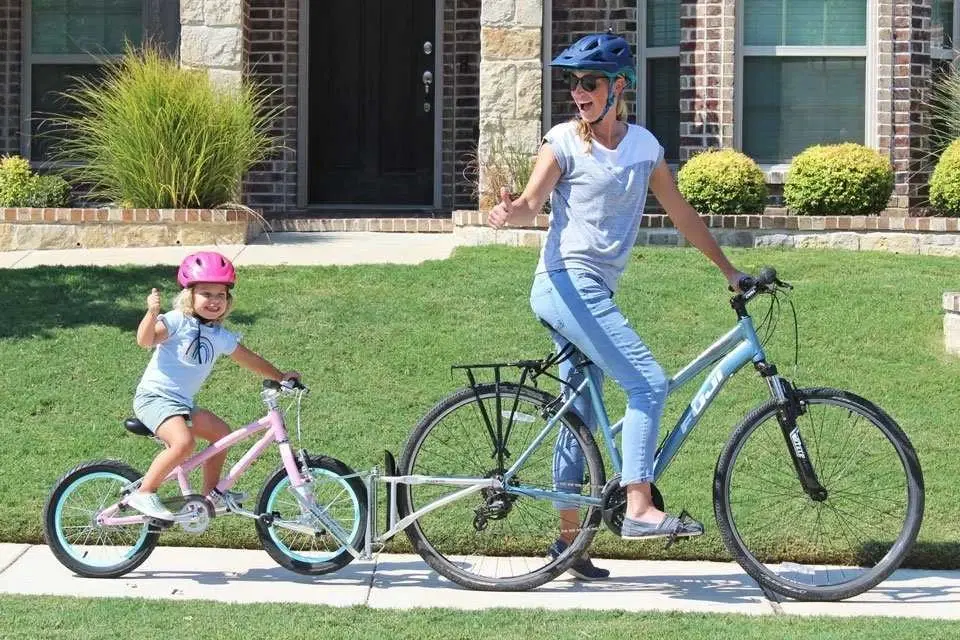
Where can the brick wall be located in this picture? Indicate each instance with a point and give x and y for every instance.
(461, 101)
(903, 76)
(271, 31)
(573, 19)
(707, 39)
(10, 46)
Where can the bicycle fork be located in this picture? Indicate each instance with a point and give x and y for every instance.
(789, 409)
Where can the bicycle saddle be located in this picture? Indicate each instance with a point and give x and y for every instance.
(136, 427)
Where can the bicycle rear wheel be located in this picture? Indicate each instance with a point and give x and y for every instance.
(76, 537)
(497, 540)
(832, 548)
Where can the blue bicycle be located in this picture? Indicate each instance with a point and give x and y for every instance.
(818, 494)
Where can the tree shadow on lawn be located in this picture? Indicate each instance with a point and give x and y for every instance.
(35, 301)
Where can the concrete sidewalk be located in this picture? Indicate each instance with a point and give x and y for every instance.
(294, 248)
(404, 582)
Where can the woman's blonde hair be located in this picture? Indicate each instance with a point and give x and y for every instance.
(583, 127)
(184, 304)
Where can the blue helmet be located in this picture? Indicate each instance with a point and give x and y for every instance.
(604, 52)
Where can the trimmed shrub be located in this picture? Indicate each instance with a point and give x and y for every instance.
(15, 175)
(19, 187)
(151, 134)
(945, 182)
(47, 191)
(723, 182)
(838, 179)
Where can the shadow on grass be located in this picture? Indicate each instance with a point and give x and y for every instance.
(33, 302)
(934, 555)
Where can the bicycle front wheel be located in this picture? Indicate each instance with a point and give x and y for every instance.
(841, 543)
(498, 539)
(295, 538)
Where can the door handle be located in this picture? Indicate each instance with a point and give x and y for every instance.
(427, 81)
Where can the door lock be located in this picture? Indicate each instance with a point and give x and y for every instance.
(427, 81)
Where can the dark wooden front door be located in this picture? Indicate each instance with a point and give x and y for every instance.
(371, 115)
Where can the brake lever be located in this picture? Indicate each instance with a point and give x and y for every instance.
(781, 283)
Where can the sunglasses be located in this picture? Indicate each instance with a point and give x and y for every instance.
(588, 82)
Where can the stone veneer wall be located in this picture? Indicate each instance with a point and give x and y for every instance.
(925, 236)
(511, 73)
(212, 38)
(25, 229)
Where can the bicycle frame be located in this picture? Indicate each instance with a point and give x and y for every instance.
(276, 430)
(729, 354)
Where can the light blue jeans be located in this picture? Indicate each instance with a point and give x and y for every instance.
(580, 309)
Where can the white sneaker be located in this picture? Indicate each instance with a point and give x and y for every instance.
(149, 505)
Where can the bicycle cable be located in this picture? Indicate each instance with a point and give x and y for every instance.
(771, 320)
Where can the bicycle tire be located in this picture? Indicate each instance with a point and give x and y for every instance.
(55, 531)
(832, 480)
(435, 552)
(327, 470)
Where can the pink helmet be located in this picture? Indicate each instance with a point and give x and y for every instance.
(206, 266)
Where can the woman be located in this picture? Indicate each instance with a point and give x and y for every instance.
(597, 169)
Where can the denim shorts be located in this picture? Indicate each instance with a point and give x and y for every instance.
(152, 410)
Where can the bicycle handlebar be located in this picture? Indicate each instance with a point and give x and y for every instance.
(287, 386)
(765, 282)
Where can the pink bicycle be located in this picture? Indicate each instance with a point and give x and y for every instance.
(310, 516)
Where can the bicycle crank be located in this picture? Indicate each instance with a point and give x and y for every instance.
(614, 503)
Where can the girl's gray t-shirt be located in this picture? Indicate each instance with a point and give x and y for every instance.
(180, 364)
(598, 201)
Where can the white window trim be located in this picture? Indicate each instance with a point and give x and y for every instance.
(28, 59)
(939, 53)
(867, 51)
(645, 53)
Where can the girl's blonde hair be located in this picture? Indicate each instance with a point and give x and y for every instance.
(583, 127)
(184, 304)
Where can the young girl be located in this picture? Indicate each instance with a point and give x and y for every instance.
(188, 339)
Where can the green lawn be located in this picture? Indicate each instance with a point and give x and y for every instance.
(375, 344)
(34, 618)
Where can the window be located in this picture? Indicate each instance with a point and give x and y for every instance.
(659, 73)
(943, 29)
(803, 75)
(944, 38)
(67, 39)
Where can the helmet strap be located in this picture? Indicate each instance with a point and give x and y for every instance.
(611, 97)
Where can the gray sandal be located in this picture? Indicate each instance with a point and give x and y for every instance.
(682, 526)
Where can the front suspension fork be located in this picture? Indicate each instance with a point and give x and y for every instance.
(789, 408)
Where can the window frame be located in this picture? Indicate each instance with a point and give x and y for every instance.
(867, 51)
(940, 53)
(29, 59)
(645, 53)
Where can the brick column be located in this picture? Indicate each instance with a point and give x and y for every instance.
(11, 25)
(707, 60)
(272, 55)
(903, 77)
(212, 38)
(511, 71)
